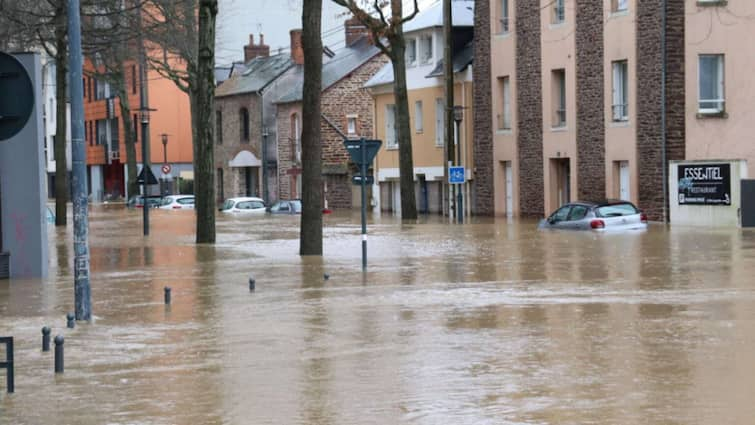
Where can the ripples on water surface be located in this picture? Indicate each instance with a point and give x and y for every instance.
(491, 322)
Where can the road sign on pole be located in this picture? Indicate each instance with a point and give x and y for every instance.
(362, 152)
(166, 169)
(456, 175)
(151, 179)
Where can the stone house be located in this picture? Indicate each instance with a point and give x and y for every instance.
(347, 111)
(245, 136)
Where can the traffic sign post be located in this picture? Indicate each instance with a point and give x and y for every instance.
(166, 169)
(362, 152)
(456, 175)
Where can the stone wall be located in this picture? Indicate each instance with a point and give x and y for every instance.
(649, 88)
(591, 142)
(232, 144)
(483, 202)
(529, 107)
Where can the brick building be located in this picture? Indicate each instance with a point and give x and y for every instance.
(246, 132)
(347, 110)
(581, 109)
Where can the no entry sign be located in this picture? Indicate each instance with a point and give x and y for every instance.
(166, 169)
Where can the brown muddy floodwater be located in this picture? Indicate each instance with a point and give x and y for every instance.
(491, 322)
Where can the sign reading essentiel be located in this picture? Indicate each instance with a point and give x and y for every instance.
(704, 184)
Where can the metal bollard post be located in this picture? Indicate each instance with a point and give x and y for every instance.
(46, 339)
(59, 354)
(252, 283)
(167, 295)
(71, 321)
(8, 363)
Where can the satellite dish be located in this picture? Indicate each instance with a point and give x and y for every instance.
(17, 101)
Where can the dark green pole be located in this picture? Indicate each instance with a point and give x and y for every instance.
(364, 204)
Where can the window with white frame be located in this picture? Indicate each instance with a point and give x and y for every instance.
(440, 128)
(503, 27)
(411, 52)
(711, 84)
(504, 118)
(418, 117)
(426, 49)
(391, 141)
(351, 125)
(619, 5)
(620, 94)
(558, 97)
(559, 11)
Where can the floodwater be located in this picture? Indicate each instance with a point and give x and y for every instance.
(491, 322)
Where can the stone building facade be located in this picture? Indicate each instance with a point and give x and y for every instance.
(578, 101)
(347, 111)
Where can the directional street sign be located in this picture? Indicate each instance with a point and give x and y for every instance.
(357, 180)
(456, 175)
(355, 150)
(150, 177)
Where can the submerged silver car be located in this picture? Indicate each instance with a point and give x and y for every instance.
(601, 216)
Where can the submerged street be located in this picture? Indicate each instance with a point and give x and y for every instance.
(489, 322)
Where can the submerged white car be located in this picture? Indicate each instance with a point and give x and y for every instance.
(244, 205)
(608, 215)
(177, 202)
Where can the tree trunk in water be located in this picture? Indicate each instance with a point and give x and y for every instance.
(61, 118)
(310, 240)
(406, 161)
(204, 158)
(119, 82)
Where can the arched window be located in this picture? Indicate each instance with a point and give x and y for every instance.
(296, 137)
(244, 124)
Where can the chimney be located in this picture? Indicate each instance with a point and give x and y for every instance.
(297, 51)
(255, 50)
(354, 31)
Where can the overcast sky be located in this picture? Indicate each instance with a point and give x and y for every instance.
(273, 18)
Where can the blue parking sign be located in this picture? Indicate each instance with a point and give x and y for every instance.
(456, 175)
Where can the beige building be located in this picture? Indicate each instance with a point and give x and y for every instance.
(719, 85)
(581, 109)
(424, 37)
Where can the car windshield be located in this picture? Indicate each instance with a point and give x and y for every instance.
(616, 210)
(227, 205)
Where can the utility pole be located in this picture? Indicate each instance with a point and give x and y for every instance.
(144, 118)
(448, 121)
(265, 193)
(82, 290)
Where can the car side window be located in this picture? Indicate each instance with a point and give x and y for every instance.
(578, 212)
(561, 214)
(243, 205)
(283, 206)
(256, 205)
(186, 201)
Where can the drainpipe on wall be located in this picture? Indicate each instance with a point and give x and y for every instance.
(263, 139)
(663, 109)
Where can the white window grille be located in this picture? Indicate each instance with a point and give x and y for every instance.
(711, 84)
(418, 117)
(440, 128)
(620, 94)
(391, 141)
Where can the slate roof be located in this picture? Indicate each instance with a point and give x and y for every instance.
(256, 75)
(462, 58)
(462, 13)
(336, 68)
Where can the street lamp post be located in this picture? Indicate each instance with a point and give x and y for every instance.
(144, 118)
(164, 178)
(164, 138)
(458, 117)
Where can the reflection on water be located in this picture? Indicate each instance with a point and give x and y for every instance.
(489, 322)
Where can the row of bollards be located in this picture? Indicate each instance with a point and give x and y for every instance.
(71, 324)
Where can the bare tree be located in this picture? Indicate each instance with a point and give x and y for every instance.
(310, 239)
(388, 35)
(204, 92)
(176, 40)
